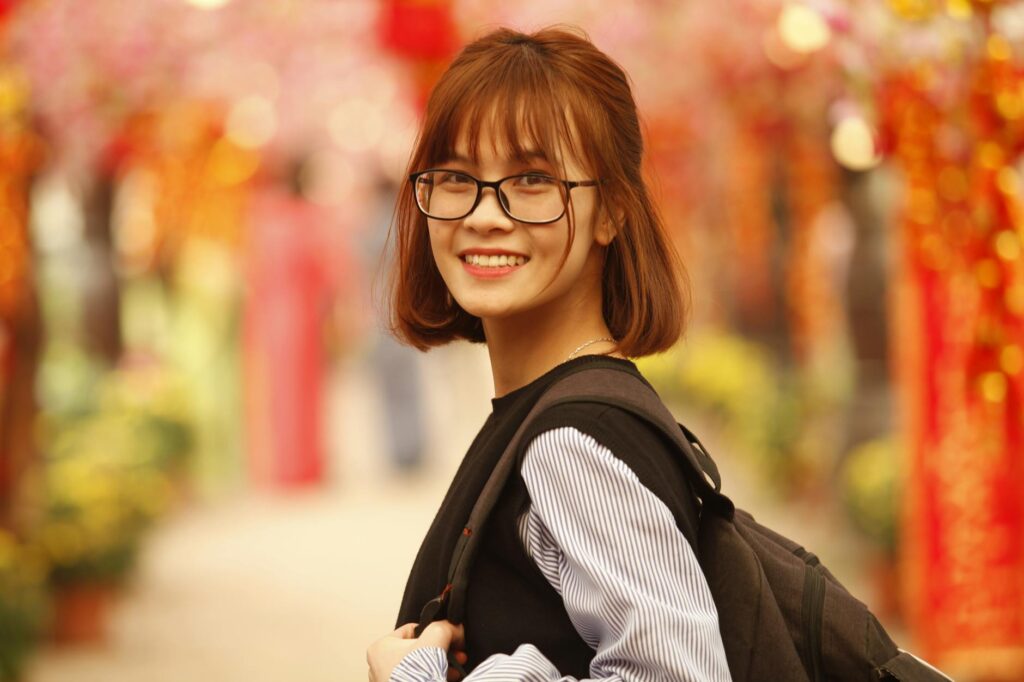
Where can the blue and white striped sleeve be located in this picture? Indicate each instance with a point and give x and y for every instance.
(629, 579)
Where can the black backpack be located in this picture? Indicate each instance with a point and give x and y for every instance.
(782, 615)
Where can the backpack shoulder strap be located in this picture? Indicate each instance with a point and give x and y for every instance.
(619, 388)
(601, 383)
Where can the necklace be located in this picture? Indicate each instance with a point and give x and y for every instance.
(584, 345)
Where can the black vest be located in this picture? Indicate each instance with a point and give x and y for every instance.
(509, 602)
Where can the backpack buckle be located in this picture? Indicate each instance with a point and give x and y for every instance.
(433, 609)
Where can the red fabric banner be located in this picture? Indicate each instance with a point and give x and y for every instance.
(959, 324)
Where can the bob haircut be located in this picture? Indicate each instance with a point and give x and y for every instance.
(549, 91)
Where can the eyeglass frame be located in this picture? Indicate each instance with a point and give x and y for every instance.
(481, 185)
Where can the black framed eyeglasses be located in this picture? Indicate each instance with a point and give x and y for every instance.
(532, 198)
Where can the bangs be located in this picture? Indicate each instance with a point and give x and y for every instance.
(525, 112)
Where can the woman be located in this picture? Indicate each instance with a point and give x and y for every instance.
(527, 225)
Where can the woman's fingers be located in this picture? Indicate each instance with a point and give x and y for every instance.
(458, 638)
(383, 655)
(444, 634)
(460, 657)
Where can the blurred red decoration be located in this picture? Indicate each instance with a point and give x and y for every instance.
(424, 33)
(959, 339)
(421, 30)
(6, 7)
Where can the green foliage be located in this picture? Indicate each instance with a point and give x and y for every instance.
(736, 383)
(871, 490)
(22, 604)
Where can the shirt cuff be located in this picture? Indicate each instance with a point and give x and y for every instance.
(429, 664)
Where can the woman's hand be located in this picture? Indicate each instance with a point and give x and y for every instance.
(384, 654)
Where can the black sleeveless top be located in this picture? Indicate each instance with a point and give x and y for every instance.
(509, 602)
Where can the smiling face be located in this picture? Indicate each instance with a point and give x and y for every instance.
(497, 268)
(509, 93)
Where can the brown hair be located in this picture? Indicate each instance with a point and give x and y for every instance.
(555, 90)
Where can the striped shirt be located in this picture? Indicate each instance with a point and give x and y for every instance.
(629, 579)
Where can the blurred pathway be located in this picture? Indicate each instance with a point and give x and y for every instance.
(261, 589)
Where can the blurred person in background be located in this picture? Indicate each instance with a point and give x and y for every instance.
(300, 278)
(394, 365)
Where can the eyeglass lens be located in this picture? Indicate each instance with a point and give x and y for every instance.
(448, 195)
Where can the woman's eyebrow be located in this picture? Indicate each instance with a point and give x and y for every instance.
(532, 155)
(524, 156)
(454, 158)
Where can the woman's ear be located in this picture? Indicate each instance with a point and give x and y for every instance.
(606, 230)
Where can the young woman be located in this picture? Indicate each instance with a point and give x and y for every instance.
(527, 225)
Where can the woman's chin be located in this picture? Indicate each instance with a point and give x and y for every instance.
(487, 310)
(487, 313)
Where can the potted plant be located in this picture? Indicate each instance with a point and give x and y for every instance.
(103, 489)
(112, 455)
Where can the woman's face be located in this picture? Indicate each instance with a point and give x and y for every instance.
(541, 284)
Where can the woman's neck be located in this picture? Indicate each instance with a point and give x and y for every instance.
(522, 350)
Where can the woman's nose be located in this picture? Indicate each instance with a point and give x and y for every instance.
(488, 214)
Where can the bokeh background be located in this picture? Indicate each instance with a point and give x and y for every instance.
(214, 463)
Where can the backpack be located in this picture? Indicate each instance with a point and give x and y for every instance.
(782, 614)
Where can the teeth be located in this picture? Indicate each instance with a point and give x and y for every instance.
(503, 260)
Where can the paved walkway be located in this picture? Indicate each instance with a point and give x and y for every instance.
(261, 588)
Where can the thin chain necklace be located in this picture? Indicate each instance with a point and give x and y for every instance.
(584, 345)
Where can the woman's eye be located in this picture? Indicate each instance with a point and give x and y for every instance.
(536, 180)
(455, 179)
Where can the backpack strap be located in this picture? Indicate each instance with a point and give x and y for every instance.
(607, 384)
(699, 468)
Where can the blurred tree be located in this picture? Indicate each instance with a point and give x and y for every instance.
(21, 157)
